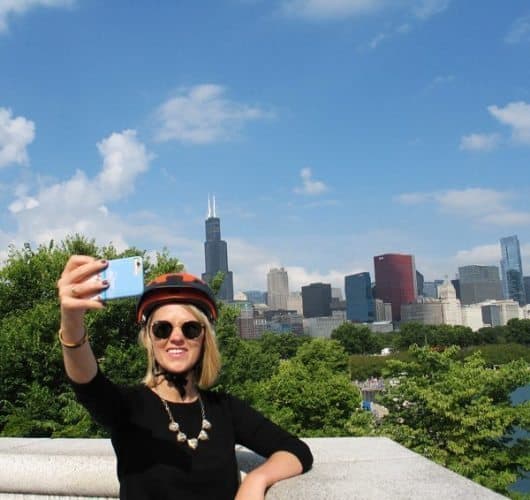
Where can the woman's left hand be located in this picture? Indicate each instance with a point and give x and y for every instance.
(252, 488)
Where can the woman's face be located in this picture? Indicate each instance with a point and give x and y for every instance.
(176, 354)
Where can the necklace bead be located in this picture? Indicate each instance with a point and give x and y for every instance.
(181, 436)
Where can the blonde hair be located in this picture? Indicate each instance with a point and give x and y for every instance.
(208, 366)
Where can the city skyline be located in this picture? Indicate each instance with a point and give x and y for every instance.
(329, 132)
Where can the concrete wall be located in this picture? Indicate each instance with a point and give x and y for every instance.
(345, 468)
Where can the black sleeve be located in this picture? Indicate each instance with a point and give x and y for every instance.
(264, 437)
(103, 399)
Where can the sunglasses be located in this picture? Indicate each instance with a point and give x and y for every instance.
(190, 329)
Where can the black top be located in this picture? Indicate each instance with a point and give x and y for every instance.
(153, 465)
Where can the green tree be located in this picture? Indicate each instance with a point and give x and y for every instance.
(356, 339)
(35, 397)
(284, 345)
(518, 330)
(459, 414)
(312, 399)
(323, 352)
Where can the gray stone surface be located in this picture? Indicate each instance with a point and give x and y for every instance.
(345, 468)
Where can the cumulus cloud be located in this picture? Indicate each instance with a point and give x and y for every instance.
(310, 186)
(517, 116)
(9, 8)
(480, 255)
(480, 142)
(202, 115)
(486, 206)
(78, 204)
(519, 31)
(16, 133)
(124, 158)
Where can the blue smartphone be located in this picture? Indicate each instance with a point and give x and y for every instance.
(125, 277)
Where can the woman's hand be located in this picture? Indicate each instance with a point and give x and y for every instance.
(76, 290)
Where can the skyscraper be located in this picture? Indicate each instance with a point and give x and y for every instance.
(479, 283)
(277, 288)
(360, 304)
(395, 280)
(316, 300)
(216, 254)
(512, 270)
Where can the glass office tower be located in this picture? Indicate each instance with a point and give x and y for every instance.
(360, 303)
(395, 280)
(512, 270)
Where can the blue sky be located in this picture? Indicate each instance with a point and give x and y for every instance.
(329, 131)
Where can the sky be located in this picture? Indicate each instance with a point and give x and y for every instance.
(329, 131)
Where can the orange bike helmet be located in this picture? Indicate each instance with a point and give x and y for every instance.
(176, 288)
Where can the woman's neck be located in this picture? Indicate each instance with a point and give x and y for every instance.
(169, 392)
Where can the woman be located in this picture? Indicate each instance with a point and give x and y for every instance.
(172, 437)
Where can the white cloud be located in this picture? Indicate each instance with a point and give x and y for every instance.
(508, 218)
(485, 206)
(300, 276)
(341, 9)
(202, 115)
(309, 185)
(480, 142)
(78, 204)
(15, 136)
(519, 31)
(427, 8)
(330, 9)
(124, 158)
(480, 255)
(9, 8)
(517, 116)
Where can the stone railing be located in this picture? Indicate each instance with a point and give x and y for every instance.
(344, 468)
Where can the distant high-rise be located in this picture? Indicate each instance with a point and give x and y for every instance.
(360, 304)
(479, 283)
(419, 283)
(216, 254)
(255, 296)
(512, 270)
(316, 300)
(526, 281)
(277, 289)
(395, 280)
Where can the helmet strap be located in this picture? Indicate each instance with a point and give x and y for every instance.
(179, 380)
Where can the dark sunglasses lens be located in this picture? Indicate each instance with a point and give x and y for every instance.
(162, 329)
(191, 329)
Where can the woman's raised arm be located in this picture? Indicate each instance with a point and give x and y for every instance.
(76, 296)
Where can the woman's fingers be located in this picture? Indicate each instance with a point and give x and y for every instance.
(78, 286)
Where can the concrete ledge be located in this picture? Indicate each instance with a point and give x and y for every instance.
(345, 468)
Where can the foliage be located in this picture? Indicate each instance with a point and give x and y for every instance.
(498, 354)
(459, 414)
(35, 398)
(435, 335)
(312, 400)
(284, 345)
(357, 339)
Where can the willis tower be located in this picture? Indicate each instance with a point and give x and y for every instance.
(215, 254)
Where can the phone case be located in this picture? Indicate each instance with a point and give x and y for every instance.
(125, 277)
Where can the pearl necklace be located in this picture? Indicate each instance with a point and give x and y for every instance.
(181, 437)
